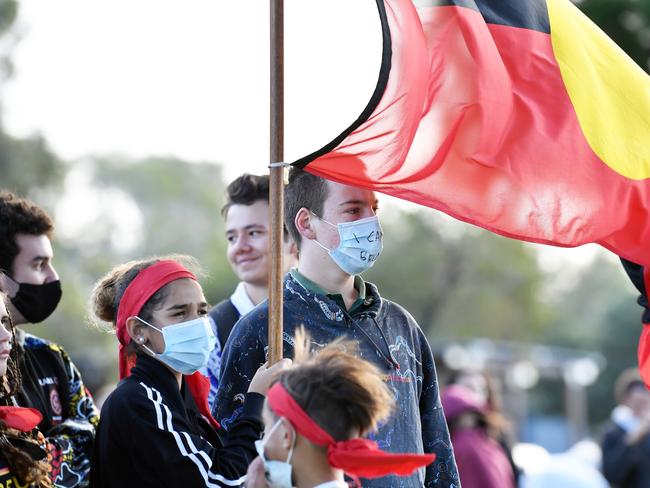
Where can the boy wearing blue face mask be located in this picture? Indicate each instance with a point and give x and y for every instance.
(339, 237)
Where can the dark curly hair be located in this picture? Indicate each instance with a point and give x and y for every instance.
(19, 216)
(246, 190)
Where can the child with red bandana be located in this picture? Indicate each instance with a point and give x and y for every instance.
(315, 417)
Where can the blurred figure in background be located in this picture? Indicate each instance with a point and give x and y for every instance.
(488, 392)
(575, 468)
(481, 461)
(247, 220)
(626, 444)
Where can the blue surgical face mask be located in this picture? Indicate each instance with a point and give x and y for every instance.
(360, 244)
(187, 344)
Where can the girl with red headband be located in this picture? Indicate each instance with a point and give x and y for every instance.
(156, 429)
(23, 458)
(315, 417)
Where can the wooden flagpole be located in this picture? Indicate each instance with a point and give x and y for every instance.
(276, 193)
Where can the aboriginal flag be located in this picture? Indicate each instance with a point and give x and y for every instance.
(519, 116)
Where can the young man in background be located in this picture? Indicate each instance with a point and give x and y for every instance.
(246, 215)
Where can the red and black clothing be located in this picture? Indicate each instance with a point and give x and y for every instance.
(52, 385)
(151, 434)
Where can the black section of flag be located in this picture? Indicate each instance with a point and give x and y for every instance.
(384, 72)
(527, 14)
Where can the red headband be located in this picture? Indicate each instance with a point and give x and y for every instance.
(144, 285)
(142, 288)
(356, 457)
(19, 418)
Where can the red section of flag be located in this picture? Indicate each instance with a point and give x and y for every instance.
(488, 135)
(643, 354)
(643, 350)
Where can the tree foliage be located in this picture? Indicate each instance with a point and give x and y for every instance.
(8, 13)
(25, 164)
(474, 283)
(627, 22)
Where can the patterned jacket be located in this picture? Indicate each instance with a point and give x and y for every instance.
(388, 337)
(52, 384)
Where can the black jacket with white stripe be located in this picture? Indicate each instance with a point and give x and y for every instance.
(152, 435)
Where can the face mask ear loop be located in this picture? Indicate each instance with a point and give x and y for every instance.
(323, 247)
(329, 223)
(147, 323)
(144, 346)
(265, 438)
(336, 226)
(275, 426)
(9, 293)
(293, 442)
(6, 273)
(326, 221)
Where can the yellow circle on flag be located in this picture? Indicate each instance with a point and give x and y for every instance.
(610, 93)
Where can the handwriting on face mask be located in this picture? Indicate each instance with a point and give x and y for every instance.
(360, 243)
(367, 257)
(374, 236)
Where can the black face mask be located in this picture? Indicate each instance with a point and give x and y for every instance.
(37, 302)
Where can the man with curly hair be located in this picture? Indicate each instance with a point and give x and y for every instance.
(50, 381)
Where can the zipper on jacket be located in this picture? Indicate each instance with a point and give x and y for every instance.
(389, 360)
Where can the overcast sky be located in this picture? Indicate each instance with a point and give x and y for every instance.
(190, 79)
